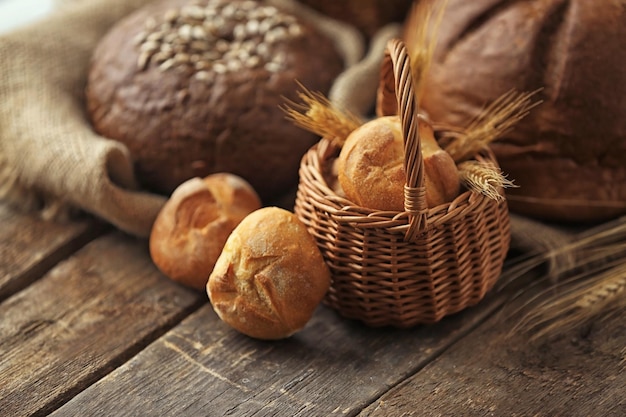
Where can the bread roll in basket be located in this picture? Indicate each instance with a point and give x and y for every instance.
(409, 267)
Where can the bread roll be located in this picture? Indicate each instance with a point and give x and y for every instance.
(192, 227)
(270, 277)
(568, 156)
(195, 87)
(371, 166)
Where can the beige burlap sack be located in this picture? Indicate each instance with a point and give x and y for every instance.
(50, 158)
(49, 154)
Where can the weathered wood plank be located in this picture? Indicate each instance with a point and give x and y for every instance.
(30, 246)
(491, 373)
(81, 320)
(203, 367)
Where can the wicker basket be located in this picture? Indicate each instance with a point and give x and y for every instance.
(402, 268)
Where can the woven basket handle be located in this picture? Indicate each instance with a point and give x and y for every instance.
(396, 95)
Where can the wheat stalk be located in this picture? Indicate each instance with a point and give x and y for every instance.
(609, 288)
(422, 21)
(593, 288)
(318, 115)
(594, 295)
(484, 178)
(492, 122)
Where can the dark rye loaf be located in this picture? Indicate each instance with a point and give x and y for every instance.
(194, 88)
(569, 156)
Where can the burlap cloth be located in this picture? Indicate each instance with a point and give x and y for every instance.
(49, 156)
(52, 161)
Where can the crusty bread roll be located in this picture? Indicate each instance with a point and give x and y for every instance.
(568, 156)
(270, 277)
(192, 227)
(195, 87)
(371, 166)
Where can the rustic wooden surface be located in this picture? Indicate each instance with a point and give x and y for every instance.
(89, 327)
(495, 373)
(86, 316)
(331, 367)
(29, 246)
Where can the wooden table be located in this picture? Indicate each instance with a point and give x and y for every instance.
(89, 327)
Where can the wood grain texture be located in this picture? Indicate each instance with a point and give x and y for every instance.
(492, 373)
(29, 246)
(81, 320)
(332, 367)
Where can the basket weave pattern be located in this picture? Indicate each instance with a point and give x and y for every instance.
(402, 268)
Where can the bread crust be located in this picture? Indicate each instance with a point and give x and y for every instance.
(191, 229)
(183, 122)
(371, 166)
(270, 277)
(567, 157)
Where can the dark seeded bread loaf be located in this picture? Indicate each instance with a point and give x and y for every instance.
(569, 156)
(194, 88)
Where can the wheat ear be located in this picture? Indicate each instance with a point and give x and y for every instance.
(484, 178)
(318, 115)
(422, 22)
(596, 295)
(595, 287)
(495, 120)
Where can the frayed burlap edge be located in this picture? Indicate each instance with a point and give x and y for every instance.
(51, 161)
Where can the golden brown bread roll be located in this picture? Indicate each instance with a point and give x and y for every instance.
(188, 234)
(270, 277)
(371, 166)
